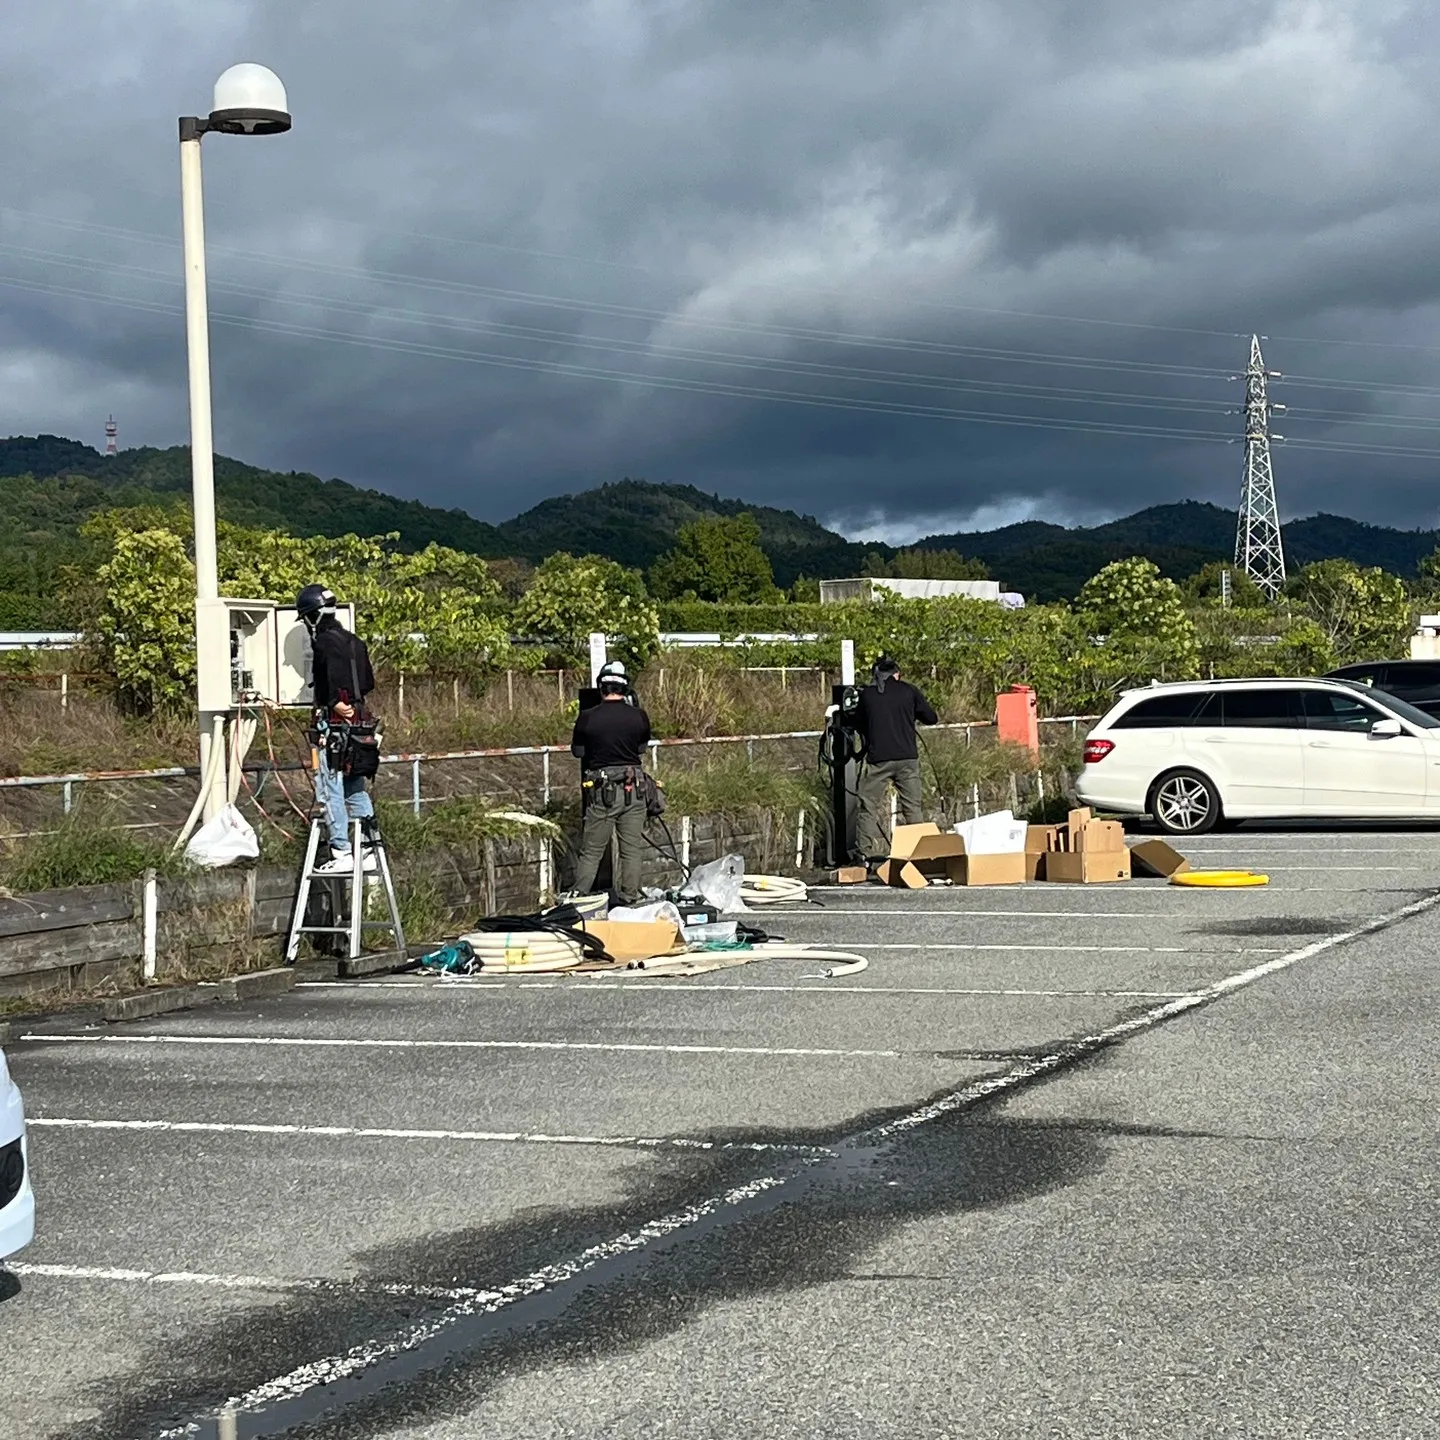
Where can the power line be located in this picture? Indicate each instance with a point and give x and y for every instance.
(788, 366)
(787, 288)
(869, 375)
(843, 403)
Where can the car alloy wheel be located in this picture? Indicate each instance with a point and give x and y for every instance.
(1185, 804)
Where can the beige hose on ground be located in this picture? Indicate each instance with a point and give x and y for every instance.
(773, 890)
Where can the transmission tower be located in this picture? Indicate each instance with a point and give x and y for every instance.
(1258, 551)
(112, 430)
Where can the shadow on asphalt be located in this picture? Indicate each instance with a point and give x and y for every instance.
(815, 1229)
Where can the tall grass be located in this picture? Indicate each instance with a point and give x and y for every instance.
(735, 785)
(87, 847)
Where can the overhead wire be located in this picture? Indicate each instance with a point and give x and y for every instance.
(787, 365)
(787, 287)
(834, 402)
(807, 369)
(823, 401)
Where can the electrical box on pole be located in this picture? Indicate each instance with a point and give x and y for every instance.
(264, 657)
(293, 653)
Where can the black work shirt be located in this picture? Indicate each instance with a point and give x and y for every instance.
(333, 679)
(610, 735)
(887, 721)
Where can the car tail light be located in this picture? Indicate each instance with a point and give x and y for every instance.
(1097, 750)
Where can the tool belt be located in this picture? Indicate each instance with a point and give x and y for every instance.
(607, 785)
(350, 747)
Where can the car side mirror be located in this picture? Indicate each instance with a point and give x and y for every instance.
(1386, 729)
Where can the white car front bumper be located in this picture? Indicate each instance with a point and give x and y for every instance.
(17, 1219)
(17, 1202)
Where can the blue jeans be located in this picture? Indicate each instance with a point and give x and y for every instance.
(344, 800)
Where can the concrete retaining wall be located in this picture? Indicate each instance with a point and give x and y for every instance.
(234, 920)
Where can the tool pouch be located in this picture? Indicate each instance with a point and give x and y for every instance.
(362, 752)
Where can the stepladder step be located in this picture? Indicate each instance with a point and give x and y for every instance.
(333, 899)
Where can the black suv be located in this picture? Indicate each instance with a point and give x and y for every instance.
(1417, 681)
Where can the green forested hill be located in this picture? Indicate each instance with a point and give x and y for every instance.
(635, 522)
(49, 485)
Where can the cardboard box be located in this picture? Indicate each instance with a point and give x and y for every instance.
(1039, 841)
(1088, 867)
(1155, 857)
(850, 875)
(920, 854)
(989, 869)
(637, 940)
(1086, 851)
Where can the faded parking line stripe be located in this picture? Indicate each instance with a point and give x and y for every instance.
(325, 1042)
(358, 1132)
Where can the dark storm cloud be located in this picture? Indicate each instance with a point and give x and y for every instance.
(533, 248)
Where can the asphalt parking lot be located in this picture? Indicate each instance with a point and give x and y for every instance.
(535, 1206)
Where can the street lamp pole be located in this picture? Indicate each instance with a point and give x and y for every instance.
(249, 100)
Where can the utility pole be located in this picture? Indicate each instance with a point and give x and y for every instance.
(1258, 551)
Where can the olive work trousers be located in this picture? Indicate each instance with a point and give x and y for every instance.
(875, 779)
(601, 821)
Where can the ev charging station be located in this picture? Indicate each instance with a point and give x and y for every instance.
(841, 748)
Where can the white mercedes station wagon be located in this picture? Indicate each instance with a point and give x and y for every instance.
(1192, 756)
(17, 1200)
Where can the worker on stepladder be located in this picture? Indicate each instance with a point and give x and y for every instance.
(888, 712)
(609, 741)
(344, 733)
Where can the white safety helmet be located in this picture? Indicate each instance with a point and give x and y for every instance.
(612, 676)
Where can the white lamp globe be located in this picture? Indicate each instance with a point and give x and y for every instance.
(250, 100)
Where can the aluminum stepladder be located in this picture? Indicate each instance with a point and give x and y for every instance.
(365, 839)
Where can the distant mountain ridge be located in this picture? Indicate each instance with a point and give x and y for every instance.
(49, 485)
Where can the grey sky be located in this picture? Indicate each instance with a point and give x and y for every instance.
(521, 248)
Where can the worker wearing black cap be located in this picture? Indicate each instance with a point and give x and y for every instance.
(888, 712)
(609, 741)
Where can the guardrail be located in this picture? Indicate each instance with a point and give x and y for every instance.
(416, 760)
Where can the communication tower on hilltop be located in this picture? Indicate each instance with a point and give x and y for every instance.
(1258, 551)
(112, 431)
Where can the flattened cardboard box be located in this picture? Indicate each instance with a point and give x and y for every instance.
(637, 939)
(1155, 857)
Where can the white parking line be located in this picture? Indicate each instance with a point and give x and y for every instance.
(323, 1042)
(126, 1276)
(1170, 917)
(334, 1368)
(356, 1132)
(470, 985)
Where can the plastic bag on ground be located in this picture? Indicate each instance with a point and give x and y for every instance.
(718, 884)
(223, 840)
(642, 914)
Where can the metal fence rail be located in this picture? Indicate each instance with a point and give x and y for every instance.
(416, 759)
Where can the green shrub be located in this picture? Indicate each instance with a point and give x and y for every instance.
(88, 847)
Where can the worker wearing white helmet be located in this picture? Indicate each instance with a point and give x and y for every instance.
(609, 741)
